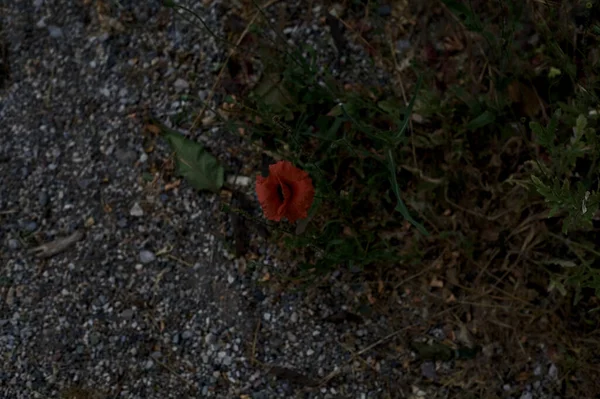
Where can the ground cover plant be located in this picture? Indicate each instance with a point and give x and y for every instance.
(467, 186)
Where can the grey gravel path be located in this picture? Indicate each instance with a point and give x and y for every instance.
(115, 314)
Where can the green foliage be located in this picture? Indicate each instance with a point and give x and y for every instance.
(200, 168)
(554, 183)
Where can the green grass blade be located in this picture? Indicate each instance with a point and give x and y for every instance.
(400, 207)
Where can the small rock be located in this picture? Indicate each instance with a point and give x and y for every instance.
(143, 157)
(294, 317)
(136, 210)
(55, 31)
(187, 334)
(428, 370)
(403, 45)
(147, 256)
(384, 10)
(181, 85)
(43, 198)
(210, 339)
(258, 295)
(105, 92)
(127, 314)
(94, 339)
(553, 372)
(310, 352)
(291, 337)
(526, 395)
(267, 316)
(31, 227)
(41, 24)
(13, 244)
(148, 365)
(227, 361)
(125, 156)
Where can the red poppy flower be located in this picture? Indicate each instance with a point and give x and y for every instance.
(287, 192)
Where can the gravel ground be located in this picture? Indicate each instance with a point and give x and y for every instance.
(146, 301)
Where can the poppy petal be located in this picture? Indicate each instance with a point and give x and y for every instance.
(266, 191)
(301, 200)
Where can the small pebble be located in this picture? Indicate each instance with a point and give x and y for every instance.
(294, 317)
(31, 227)
(43, 198)
(210, 339)
(267, 316)
(136, 210)
(553, 372)
(384, 10)
(181, 85)
(187, 334)
(127, 314)
(55, 31)
(147, 256)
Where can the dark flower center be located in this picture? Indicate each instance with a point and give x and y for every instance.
(280, 191)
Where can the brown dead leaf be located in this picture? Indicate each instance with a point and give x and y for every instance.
(524, 376)
(453, 44)
(436, 283)
(347, 231)
(155, 130)
(527, 101)
(371, 299)
(449, 296)
(490, 235)
(171, 186)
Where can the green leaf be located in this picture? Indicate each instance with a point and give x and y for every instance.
(486, 118)
(200, 168)
(545, 137)
(433, 351)
(580, 126)
(272, 91)
(391, 107)
(555, 284)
